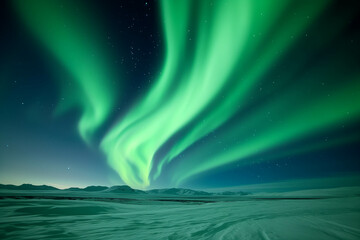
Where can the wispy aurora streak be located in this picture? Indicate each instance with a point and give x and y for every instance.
(202, 89)
(218, 55)
(71, 36)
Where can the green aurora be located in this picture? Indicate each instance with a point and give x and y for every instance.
(74, 44)
(218, 56)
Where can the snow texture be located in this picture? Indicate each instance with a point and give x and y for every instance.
(312, 214)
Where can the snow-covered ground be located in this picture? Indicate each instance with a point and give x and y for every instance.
(282, 216)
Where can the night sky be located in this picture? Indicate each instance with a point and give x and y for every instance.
(208, 93)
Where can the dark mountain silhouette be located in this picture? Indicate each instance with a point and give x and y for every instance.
(177, 191)
(27, 187)
(74, 189)
(228, 193)
(95, 188)
(122, 189)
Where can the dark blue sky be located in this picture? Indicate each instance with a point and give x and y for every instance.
(39, 146)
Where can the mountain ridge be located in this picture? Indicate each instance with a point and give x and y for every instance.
(119, 189)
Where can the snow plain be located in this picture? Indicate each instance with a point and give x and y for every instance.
(313, 214)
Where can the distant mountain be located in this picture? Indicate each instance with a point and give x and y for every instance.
(27, 187)
(8, 187)
(74, 189)
(123, 189)
(228, 193)
(190, 192)
(178, 191)
(95, 188)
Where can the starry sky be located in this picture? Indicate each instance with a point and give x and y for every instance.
(202, 94)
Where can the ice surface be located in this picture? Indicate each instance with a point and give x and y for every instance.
(313, 214)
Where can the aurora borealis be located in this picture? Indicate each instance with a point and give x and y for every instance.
(216, 89)
(76, 49)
